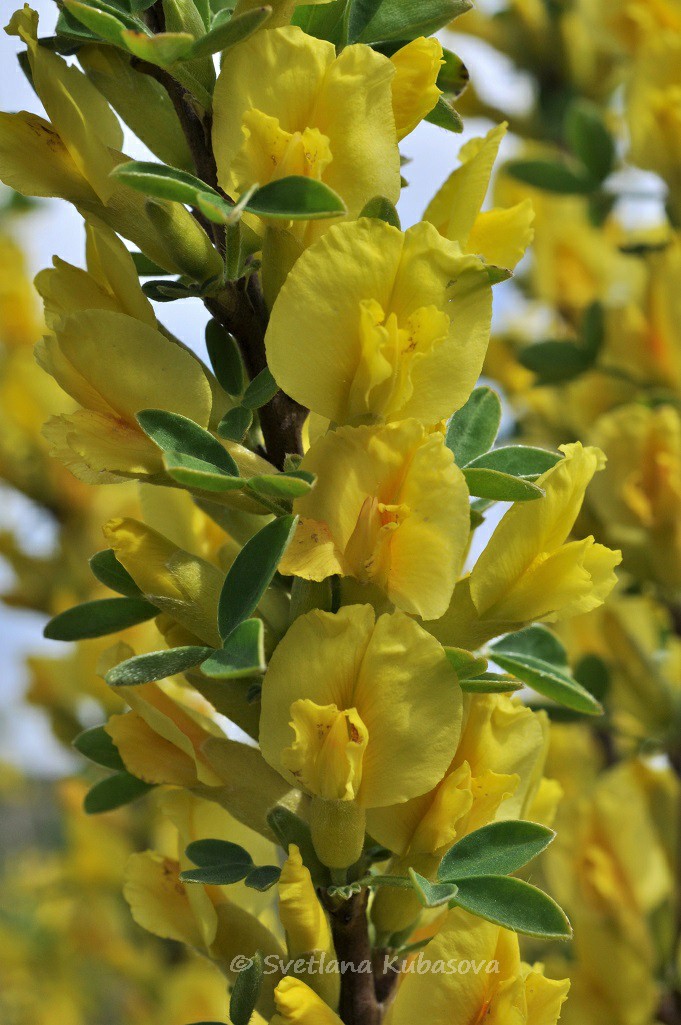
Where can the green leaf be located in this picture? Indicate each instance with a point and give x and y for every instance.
(517, 460)
(114, 792)
(444, 116)
(290, 828)
(495, 850)
(589, 139)
(360, 13)
(296, 198)
(103, 19)
(108, 570)
(225, 358)
(198, 474)
(156, 665)
(220, 862)
(474, 427)
(543, 677)
(235, 424)
(243, 654)
(500, 487)
(251, 573)
(552, 176)
(515, 905)
(322, 21)
(177, 434)
(260, 391)
(593, 674)
(555, 362)
(263, 878)
(537, 641)
(99, 618)
(280, 485)
(97, 745)
(246, 991)
(407, 19)
(382, 210)
(431, 895)
(226, 33)
(161, 181)
(453, 77)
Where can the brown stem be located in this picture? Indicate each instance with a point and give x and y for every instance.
(358, 1001)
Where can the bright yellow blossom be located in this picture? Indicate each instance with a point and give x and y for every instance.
(328, 117)
(376, 324)
(414, 88)
(343, 732)
(529, 571)
(501, 992)
(500, 236)
(390, 508)
(654, 110)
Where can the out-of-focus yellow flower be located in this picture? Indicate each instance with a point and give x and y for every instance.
(19, 319)
(499, 236)
(373, 691)
(654, 110)
(403, 320)
(390, 508)
(529, 571)
(414, 88)
(638, 498)
(504, 990)
(329, 118)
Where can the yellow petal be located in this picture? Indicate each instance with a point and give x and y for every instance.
(501, 236)
(544, 997)
(456, 206)
(522, 574)
(158, 900)
(297, 1004)
(415, 92)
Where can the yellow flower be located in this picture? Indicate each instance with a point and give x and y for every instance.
(373, 719)
(414, 88)
(389, 508)
(72, 155)
(297, 1004)
(376, 324)
(499, 236)
(110, 282)
(495, 773)
(638, 498)
(654, 109)
(184, 586)
(501, 992)
(306, 925)
(329, 118)
(529, 571)
(114, 366)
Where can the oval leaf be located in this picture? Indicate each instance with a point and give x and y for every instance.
(472, 430)
(109, 571)
(114, 792)
(175, 433)
(515, 905)
(500, 487)
(260, 391)
(251, 573)
(99, 618)
(97, 745)
(243, 654)
(296, 198)
(517, 460)
(497, 849)
(155, 665)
